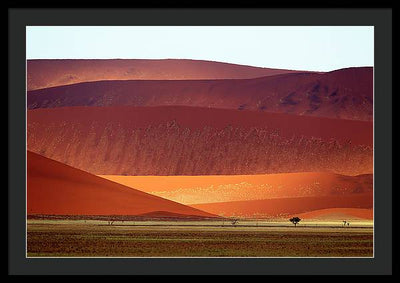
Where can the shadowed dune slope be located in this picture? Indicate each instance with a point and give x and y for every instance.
(53, 72)
(344, 94)
(208, 189)
(54, 188)
(198, 141)
(286, 206)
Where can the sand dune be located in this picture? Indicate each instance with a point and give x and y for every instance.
(57, 189)
(286, 206)
(338, 213)
(344, 94)
(209, 189)
(194, 118)
(198, 141)
(49, 73)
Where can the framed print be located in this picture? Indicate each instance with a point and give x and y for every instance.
(186, 141)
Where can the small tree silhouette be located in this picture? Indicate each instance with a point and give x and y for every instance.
(295, 220)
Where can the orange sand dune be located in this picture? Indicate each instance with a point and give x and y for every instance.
(179, 140)
(338, 213)
(53, 72)
(57, 189)
(223, 188)
(344, 94)
(286, 206)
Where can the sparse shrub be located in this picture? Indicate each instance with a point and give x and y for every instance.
(295, 220)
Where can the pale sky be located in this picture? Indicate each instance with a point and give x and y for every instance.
(318, 48)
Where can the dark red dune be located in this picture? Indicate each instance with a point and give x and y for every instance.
(54, 188)
(286, 206)
(344, 94)
(52, 72)
(198, 141)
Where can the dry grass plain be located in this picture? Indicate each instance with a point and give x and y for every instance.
(95, 238)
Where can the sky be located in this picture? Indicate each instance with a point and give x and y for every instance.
(314, 48)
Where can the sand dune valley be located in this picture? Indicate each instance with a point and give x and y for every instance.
(191, 158)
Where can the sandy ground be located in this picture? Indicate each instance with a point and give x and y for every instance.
(198, 239)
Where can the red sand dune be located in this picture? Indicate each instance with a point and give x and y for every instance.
(198, 141)
(208, 189)
(344, 94)
(194, 118)
(54, 188)
(338, 213)
(286, 206)
(55, 72)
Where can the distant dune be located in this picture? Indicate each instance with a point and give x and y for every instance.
(209, 189)
(198, 141)
(52, 72)
(54, 188)
(344, 94)
(338, 213)
(272, 208)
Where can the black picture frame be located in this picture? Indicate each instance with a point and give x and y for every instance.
(381, 264)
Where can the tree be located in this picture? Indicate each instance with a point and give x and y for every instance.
(295, 220)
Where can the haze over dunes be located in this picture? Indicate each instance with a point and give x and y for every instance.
(282, 207)
(209, 189)
(344, 94)
(198, 141)
(53, 72)
(54, 188)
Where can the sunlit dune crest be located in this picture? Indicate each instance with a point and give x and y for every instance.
(49, 73)
(209, 189)
(54, 188)
(339, 213)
